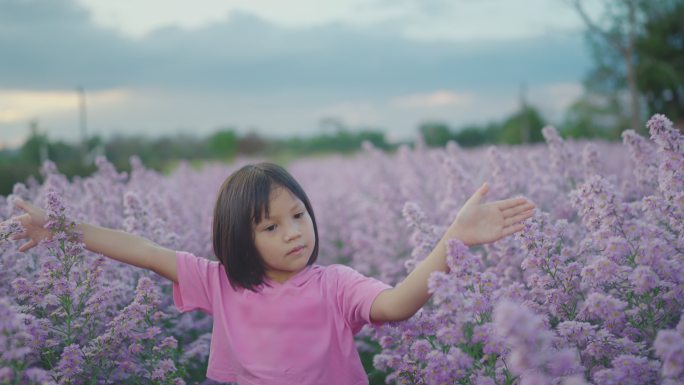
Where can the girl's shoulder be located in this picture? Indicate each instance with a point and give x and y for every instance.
(340, 272)
(191, 255)
(333, 268)
(186, 259)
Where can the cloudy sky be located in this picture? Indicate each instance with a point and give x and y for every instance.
(279, 67)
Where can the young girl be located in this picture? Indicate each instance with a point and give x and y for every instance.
(279, 318)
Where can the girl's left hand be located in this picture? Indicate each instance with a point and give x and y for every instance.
(33, 222)
(478, 223)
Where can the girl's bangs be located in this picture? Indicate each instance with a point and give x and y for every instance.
(260, 199)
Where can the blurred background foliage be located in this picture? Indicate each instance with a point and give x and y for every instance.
(638, 55)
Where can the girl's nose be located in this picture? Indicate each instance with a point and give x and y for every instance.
(293, 233)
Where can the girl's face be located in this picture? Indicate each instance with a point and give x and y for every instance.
(288, 227)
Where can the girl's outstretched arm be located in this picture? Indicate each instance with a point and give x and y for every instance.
(476, 223)
(115, 244)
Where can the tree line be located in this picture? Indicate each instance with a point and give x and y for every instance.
(162, 153)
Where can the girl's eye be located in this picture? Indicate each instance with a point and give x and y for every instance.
(299, 215)
(270, 228)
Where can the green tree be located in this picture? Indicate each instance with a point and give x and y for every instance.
(435, 134)
(613, 36)
(660, 69)
(472, 136)
(223, 143)
(636, 47)
(595, 117)
(252, 144)
(35, 150)
(521, 127)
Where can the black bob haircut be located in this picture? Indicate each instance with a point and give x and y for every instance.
(243, 201)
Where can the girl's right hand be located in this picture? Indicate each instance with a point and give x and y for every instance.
(33, 222)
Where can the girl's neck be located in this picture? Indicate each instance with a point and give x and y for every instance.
(283, 276)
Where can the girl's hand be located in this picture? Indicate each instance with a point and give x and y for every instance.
(33, 222)
(478, 223)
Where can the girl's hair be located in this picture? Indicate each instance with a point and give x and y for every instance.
(243, 201)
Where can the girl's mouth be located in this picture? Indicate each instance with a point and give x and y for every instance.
(296, 250)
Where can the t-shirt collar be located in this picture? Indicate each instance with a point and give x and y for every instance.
(297, 280)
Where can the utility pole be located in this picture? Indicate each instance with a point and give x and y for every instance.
(34, 131)
(524, 119)
(83, 123)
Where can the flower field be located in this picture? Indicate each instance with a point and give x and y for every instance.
(590, 292)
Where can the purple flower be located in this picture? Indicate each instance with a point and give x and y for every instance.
(590, 159)
(534, 378)
(564, 362)
(449, 335)
(532, 352)
(483, 380)
(168, 342)
(602, 271)
(9, 228)
(420, 348)
(6, 375)
(604, 307)
(643, 159)
(669, 346)
(598, 269)
(599, 204)
(459, 361)
(627, 370)
(643, 279)
(384, 361)
(663, 133)
(135, 221)
(198, 350)
(151, 332)
(459, 260)
(38, 376)
(617, 249)
(415, 217)
(164, 368)
(71, 362)
(55, 209)
(523, 331)
(561, 155)
(15, 339)
(579, 333)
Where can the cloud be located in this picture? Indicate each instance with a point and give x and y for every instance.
(354, 113)
(462, 20)
(21, 105)
(52, 45)
(440, 98)
(243, 70)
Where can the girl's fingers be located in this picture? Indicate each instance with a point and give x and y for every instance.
(22, 205)
(479, 193)
(511, 203)
(515, 210)
(18, 236)
(517, 218)
(24, 219)
(512, 229)
(28, 208)
(27, 246)
(15, 218)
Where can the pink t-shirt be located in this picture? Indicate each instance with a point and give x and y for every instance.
(299, 332)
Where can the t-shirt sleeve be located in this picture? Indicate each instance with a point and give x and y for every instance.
(198, 279)
(355, 295)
